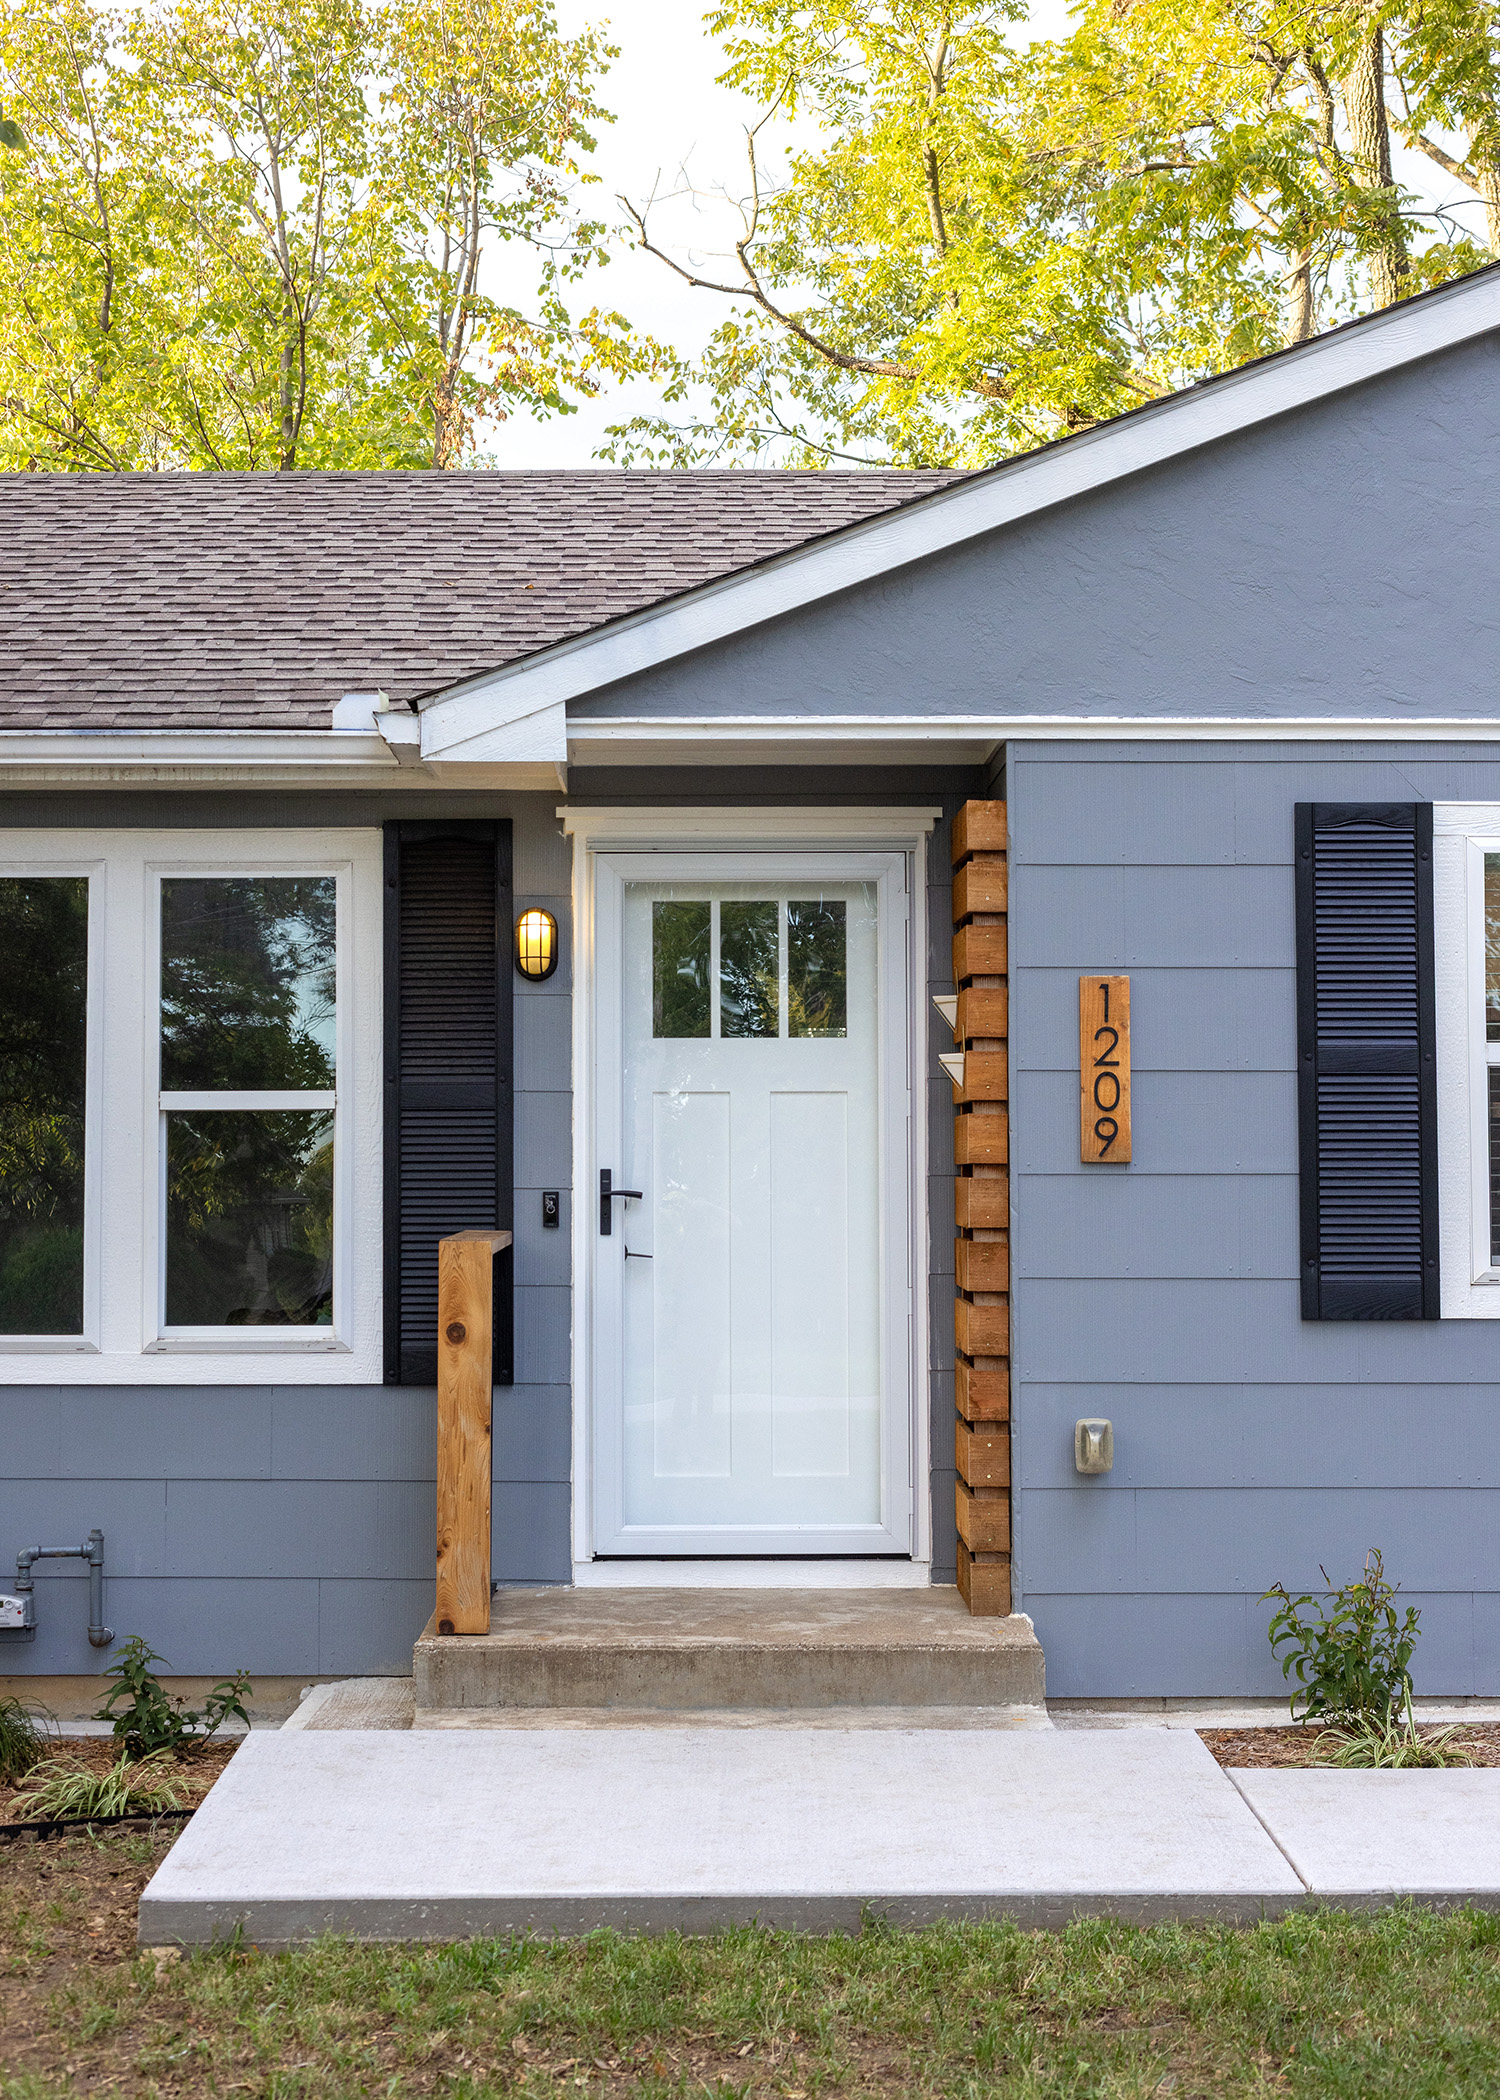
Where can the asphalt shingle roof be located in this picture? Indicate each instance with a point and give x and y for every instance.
(252, 601)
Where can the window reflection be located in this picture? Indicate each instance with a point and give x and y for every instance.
(749, 969)
(680, 967)
(1492, 946)
(817, 974)
(249, 1218)
(44, 922)
(247, 983)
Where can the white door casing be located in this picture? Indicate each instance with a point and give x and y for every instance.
(752, 1368)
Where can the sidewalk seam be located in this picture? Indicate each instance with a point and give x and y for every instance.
(1228, 1771)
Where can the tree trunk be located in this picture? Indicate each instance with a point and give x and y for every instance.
(1301, 308)
(288, 458)
(1370, 142)
(1487, 182)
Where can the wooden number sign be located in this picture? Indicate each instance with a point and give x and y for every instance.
(1104, 1070)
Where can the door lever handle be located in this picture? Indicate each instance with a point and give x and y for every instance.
(607, 1194)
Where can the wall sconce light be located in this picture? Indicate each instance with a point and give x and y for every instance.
(536, 945)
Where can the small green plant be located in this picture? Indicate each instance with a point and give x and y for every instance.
(1392, 1745)
(148, 1719)
(70, 1789)
(1350, 1654)
(24, 1736)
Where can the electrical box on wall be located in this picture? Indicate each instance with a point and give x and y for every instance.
(17, 1617)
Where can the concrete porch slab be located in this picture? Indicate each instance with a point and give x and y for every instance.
(445, 1834)
(1369, 1837)
(728, 1648)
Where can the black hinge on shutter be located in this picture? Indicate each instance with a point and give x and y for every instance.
(448, 1128)
(1366, 1061)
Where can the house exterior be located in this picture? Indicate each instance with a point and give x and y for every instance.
(1203, 703)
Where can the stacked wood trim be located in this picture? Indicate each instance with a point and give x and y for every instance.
(981, 1147)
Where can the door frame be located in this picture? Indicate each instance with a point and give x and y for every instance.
(666, 835)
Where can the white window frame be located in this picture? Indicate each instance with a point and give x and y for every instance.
(125, 1340)
(1463, 832)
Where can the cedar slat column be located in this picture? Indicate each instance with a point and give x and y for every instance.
(981, 1146)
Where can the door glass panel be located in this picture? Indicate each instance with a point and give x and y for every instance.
(249, 1218)
(44, 938)
(247, 983)
(681, 967)
(749, 968)
(817, 976)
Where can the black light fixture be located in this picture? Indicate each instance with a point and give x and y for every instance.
(536, 944)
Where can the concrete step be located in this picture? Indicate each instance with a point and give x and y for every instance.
(687, 1650)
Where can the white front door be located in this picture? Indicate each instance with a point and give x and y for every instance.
(751, 1293)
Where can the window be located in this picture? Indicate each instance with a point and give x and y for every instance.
(189, 1107)
(780, 966)
(44, 1141)
(1466, 899)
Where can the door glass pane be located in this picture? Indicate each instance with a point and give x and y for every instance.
(44, 932)
(249, 1218)
(680, 967)
(749, 969)
(817, 975)
(247, 983)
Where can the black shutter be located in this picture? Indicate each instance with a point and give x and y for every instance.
(1366, 1061)
(447, 1073)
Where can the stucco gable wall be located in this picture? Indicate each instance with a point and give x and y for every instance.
(1337, 562)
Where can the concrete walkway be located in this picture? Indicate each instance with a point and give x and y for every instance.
(399, 1833)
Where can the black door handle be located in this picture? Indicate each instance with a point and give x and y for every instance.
(607, 1195)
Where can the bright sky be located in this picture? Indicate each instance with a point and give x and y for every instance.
(670, 112)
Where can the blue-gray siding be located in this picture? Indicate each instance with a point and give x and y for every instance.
(1251, 1447)
(290, 1528)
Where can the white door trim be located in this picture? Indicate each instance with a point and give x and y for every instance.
(684, 831)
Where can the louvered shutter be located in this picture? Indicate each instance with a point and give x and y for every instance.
(1367, 1061)
(447, 1072)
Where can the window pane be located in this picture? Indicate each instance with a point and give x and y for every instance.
(249, 1218)
(1492, 946)
(680, 969)
(44, 937)
(1494, 1083)
(247, 982)
(749, 967)
(817, 975)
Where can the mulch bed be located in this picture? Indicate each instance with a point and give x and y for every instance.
(1297, 1745)
(191, 1780)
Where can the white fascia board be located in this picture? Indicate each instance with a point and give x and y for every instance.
(326, 757)
(1182, 423)
(539, 737)
(969, 739)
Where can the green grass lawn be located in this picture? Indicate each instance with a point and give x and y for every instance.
(1405, 2002)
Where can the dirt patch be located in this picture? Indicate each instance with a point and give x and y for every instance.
(192, 1775)
(1298, 1745)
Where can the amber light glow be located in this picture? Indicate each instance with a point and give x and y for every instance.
(536, 944)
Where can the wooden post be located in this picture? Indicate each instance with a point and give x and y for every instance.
(980, 1071)
(465, 1393)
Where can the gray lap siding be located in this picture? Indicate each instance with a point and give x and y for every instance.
(1250, 1446)
(288, 1528)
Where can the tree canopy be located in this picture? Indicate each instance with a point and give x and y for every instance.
(992, 242)
(238, 235)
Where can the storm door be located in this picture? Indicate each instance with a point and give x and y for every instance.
(751, 1207)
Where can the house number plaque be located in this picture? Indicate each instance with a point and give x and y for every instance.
(1104, 1070)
